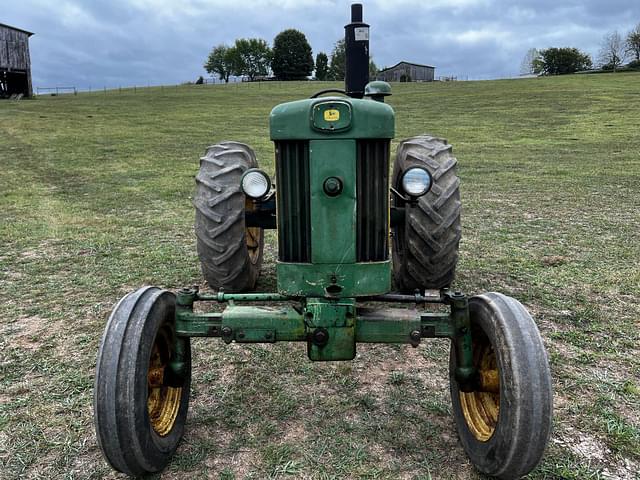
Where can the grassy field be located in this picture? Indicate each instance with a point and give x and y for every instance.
(95, 201)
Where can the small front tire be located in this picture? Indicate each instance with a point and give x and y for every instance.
(139, 418)
(504, 432)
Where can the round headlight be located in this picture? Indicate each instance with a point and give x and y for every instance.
(416, 181)
(255, 183)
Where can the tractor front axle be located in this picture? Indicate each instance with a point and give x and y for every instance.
(332, 327)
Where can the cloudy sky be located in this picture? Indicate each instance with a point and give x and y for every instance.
(138, 42)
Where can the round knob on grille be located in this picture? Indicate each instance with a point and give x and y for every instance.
(332, 186)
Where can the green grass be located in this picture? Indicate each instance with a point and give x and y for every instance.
(94, 202)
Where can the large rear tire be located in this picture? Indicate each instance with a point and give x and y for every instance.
(425, 248)
(230, 253)
(505, 429)
(139, 418)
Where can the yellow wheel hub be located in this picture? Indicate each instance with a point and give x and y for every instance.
(163, 402)
(481, 409)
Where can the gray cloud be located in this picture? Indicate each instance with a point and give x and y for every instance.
(139, 42)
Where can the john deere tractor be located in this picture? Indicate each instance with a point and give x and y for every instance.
(346, 231)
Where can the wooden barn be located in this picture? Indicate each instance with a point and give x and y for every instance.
(408, 72)
(15, 64)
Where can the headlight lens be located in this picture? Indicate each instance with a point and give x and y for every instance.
(416, 181)
(255, 183)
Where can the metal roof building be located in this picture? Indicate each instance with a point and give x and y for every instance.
(15, 62)
(407, 72)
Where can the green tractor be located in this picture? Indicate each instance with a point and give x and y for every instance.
(335, 209)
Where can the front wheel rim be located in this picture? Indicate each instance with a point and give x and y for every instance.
(481, 409)
(163, 402)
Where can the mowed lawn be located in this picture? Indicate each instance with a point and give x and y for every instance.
(95, 202)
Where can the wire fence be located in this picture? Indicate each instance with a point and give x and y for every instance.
(149, 88)
(236, 82)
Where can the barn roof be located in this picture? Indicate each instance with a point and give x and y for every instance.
(15, 28)
(408, 63)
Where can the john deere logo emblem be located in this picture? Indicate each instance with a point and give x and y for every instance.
(332, 115)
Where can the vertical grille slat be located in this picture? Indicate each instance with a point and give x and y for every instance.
(294, 219)
(306, 196)
(372, 229)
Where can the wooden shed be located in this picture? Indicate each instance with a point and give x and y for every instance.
(15, 64)
(407, 72)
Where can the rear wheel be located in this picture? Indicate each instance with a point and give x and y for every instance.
(140, 408)
(504, 428)
(230, 253)
(425, 247)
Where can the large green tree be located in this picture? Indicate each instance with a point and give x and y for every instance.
(252, 57)
(322, 66)
(558, 61)
(292, 57)
(338, 60)
(221, 62)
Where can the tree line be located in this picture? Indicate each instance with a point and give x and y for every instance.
(614, 51)
(290, 58)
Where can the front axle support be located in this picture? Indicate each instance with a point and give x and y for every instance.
(332, 327)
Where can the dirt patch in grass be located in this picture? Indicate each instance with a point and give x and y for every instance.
(31, 332)
(554, 260)
(593, 450)
(238, 462)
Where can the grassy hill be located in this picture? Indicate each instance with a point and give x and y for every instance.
(95, 201)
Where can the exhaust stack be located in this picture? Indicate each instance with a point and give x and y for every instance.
(356, 40)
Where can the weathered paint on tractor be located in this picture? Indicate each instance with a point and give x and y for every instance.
(332, 327)
(295, 120)
(333, 219)
(308, 279)
(344, 323)
(332, 126)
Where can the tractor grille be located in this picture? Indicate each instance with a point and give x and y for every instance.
(293, 195)
(372, 170)
(293, 191)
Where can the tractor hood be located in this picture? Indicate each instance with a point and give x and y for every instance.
(331, 118)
